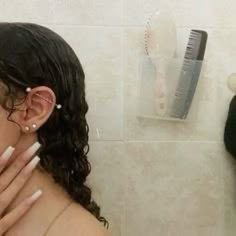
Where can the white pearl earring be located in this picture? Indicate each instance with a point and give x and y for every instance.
(34, 126)
(27, 128)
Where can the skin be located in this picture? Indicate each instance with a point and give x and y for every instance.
(36, 220)
(12, 179)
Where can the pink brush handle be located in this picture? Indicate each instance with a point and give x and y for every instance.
(160, 94)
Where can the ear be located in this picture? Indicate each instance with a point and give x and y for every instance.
(37, 108)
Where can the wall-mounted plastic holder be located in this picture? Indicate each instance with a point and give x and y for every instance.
(169, 88)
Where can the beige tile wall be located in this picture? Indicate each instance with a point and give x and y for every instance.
(150, 177)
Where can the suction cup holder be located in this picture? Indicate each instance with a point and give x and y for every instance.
(168, 91)
(168, 83)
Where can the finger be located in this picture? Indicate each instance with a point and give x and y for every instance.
(9, 194)
(9, 174)
(5, 157)
(10, 219)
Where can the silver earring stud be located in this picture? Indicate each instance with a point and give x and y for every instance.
(27, 128)
(28, 89)
(34, 126)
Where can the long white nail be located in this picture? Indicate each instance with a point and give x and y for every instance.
(7, 153)
(31, 150)
(36, 195)
(32, 164)
(34, 147)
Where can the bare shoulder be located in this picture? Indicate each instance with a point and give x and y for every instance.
(77, 221)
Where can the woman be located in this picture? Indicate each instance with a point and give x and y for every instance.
(42, 98)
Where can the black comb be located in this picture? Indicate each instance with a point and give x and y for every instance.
(190, 73)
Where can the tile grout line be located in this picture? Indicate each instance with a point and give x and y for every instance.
(158, 141)
(131, 25)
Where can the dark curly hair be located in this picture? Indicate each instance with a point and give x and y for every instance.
(32, 55)
(230, 129)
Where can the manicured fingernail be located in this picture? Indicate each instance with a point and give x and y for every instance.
(32, 164)
(36, 195)
(7, 153)
(31, 150)
(34, 147)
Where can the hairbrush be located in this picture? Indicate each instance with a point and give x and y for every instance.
(160, 27)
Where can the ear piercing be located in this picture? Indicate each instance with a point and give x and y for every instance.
(58, 106)
(27, 128)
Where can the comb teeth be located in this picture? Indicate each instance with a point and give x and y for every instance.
(195, 33)
(203, 41)
(193, 46)
(190, 73)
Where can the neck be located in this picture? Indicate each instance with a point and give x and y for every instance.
(53, 195)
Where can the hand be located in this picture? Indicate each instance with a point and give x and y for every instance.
(12, 179)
